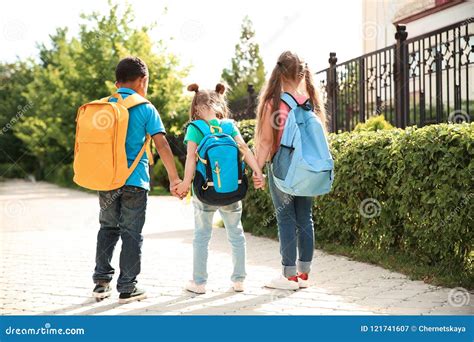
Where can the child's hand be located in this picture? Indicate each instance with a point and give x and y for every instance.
(258, 180)
(174, 185)
(182, 189)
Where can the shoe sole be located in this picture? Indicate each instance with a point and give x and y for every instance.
(132, 299)
(238, 291)
(282, 287)
(102, 295)
(195, 292)
(303, 284)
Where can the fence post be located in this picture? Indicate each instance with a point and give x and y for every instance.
(361, 85)
(439, 85)
(332, 91)
(401, 77)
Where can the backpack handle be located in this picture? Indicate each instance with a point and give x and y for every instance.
(205, 128)
(213, 129)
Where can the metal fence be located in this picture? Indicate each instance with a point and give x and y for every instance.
(418, 81)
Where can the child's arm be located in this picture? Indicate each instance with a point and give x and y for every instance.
(166, 155)
(250, 160)
(189, 168)
(265, 141)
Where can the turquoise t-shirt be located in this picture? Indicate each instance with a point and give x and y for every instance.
(193, 134)
(143, 119)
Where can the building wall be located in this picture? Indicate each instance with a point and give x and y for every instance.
(379, 16)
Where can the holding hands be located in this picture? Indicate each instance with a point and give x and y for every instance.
(174, 185)
(258, 180)
(180, 188)
(183, 189)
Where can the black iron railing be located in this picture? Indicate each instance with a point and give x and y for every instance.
(423, 80)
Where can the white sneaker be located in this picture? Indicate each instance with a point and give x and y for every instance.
(283, 283)
(302, 282)
(195, 288)
(238, 286)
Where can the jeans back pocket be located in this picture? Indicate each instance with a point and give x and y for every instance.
(282, 161)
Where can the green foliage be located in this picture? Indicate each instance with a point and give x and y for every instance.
(159, 174)
(10, 170)
(13, 106)
(61, 175)
(423, 180)
(75, 70)
(247, 64)
(246, 128)
(375, 123)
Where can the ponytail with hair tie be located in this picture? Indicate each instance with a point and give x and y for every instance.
(220, 88)
(193, 87)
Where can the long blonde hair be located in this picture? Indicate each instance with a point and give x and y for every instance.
(214, 99)
(288, 67)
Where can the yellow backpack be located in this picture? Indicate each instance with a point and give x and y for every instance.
(100, 159)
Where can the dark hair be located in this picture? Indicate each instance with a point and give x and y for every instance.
(129, 69)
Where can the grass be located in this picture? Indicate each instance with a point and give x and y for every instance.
(397, 262)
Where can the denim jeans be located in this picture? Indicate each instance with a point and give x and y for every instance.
(295, 229)
(231, 214)
(122, 215)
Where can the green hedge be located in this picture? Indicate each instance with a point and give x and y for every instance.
(375, 123)
(418, 184)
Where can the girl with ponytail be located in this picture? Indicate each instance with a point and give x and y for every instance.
(294, 213)
(211, 106)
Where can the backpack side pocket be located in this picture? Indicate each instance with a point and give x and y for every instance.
(282, 161)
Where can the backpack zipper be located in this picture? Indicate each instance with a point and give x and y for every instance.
(217, 171)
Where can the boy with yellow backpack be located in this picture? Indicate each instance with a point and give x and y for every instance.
(112, 153)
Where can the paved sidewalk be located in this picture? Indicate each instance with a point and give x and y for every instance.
(47, 246)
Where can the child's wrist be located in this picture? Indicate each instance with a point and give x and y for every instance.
(174, 179)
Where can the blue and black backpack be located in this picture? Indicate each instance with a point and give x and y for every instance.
(220, 171)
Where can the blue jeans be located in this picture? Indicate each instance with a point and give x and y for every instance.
(295, 229)
(231, 214)
(122, 215)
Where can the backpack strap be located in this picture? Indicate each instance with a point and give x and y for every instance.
(133, 100)
(145, 148)
(227, 126)
(289, 100)
(202, 126)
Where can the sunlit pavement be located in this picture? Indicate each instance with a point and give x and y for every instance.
(47, 248)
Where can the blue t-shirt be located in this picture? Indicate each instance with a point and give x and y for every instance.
(143, 119)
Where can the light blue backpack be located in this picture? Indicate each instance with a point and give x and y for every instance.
(303, 165)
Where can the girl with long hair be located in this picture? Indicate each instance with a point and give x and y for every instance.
(294, 213)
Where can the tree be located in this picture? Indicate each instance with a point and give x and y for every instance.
(73, 71)
(13, 106)
(247, 65)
